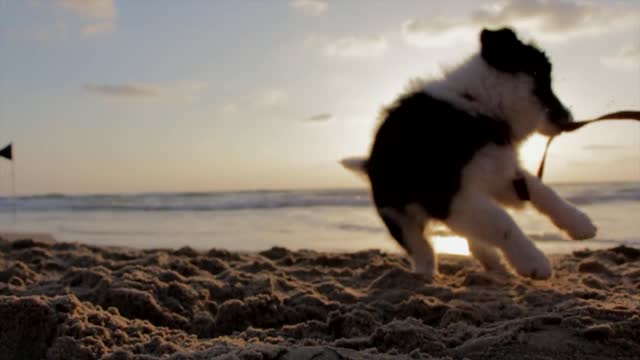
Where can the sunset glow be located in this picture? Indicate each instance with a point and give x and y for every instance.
(450, 245)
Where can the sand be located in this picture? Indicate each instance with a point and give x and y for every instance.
(74, 301)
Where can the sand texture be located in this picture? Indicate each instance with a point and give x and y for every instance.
(71, 301)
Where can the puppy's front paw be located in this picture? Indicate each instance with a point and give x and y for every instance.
(532, 264)
(577, 225)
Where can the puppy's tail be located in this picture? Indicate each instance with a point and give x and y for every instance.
(356, 164)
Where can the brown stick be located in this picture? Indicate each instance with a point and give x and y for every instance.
(619, 115)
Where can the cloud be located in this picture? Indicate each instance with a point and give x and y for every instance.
(601, 147)
(264, 99)
(187, 91)
(123, 90)
(92, 9)
(627, 58)
(229, 108)
(312, 7)
(318, 118)
(95, 16)
(271, 98)
(436, 33)
(548, 19)
(349, 46)
(98, 28)
(65, 19)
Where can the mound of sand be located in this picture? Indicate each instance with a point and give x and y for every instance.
(72, 301)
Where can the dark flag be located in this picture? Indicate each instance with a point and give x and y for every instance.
(7, 152)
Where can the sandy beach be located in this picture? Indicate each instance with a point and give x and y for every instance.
(73, 301)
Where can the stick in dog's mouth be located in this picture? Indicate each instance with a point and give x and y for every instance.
(618, 115)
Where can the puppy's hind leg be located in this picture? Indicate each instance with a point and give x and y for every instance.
(407, 228)
(479, 218)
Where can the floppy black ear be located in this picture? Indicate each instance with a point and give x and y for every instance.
(503, 38)
(485, 37)
(501, 49)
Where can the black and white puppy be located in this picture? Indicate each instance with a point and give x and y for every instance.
(447, 150)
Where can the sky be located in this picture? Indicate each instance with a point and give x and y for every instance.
(110, 96)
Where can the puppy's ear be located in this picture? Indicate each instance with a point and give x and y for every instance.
(501, 38)
(500, 48)
(485, 37)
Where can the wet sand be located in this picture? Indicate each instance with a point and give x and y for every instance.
(74, 301)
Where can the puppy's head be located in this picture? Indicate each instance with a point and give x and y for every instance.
(503, 51)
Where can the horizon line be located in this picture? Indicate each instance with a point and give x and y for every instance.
(258, 190)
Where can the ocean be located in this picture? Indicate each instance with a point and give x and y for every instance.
(327, 220)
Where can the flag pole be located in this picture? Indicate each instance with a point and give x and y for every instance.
(13, 192)
(7, 152)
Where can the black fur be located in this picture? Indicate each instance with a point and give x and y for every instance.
(394, 229)
(502, 50)
(420, 150)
